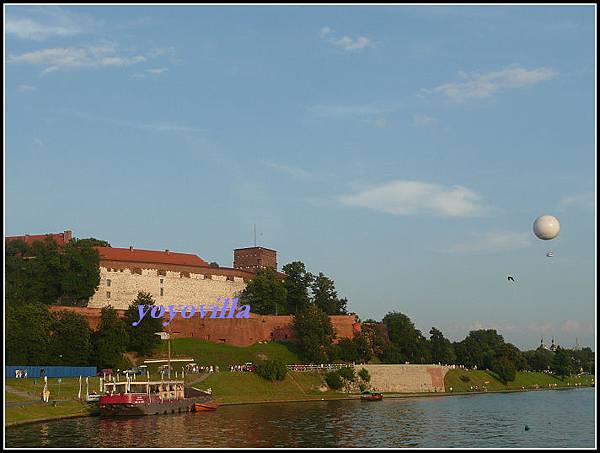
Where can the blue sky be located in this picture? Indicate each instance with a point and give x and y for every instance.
(403, 151)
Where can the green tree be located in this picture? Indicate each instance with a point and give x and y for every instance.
(334, 380)
(392, 354)
(265, 293)
(562, 364)
(80, 272)
(364, 375)
(540, 359)
(142, 338)
(94, 242)
(314, 333)
(411, 344)
(442, 350)
(479, 348)
(364, 353)
(346, 350)
(325, 296)
(27, 334)
(297, 282)
(71, 339)
(110, 339)
(44, 273)
(272, 370)
(504, 368)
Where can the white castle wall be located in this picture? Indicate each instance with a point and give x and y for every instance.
(178, 288)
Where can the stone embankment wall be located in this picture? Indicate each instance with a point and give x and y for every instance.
(406, 378)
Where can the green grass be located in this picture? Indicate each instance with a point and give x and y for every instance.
(248, 387)
(528, 380)
(69, 387)
(224, 355)
(43, 411)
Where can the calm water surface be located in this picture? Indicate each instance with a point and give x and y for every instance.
(564, 418)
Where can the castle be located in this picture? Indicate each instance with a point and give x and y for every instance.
(174, 278)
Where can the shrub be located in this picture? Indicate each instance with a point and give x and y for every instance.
(465, 378)
(347, 373)
(272, 370)
(364, 375)
(362, 387)
(334, 380)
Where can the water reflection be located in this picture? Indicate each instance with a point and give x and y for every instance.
(556, 418)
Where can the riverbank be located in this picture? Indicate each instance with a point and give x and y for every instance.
(22, 404)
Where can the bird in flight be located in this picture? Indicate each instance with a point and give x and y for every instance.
(510, 279)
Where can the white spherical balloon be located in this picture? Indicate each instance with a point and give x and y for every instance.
(546, 227)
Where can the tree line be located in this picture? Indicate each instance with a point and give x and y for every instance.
(396, 340)
(44, 274)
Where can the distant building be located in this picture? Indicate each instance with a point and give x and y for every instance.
(59, 238)
(174, 278)
(254, 258)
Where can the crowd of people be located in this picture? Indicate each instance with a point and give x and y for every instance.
(20, 374)
(322, 366)
(246, 367)
(194, 368)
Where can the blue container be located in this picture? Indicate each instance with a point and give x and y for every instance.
(50, 371)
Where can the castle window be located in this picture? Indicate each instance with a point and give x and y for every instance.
(162, 291)
(162, 281)
(108, 294)
(108, 282)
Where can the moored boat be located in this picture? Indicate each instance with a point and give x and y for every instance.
(371, 396)
(208, 406)
(150, 398)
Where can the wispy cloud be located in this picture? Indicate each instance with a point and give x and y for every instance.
(54, 59)
(40, 24)
(150, 72)
(290, 170)
(23, 88)
(37, 141)
(582, 200)
(492, 242)
(483, 85)
(345, 43)
(424, 121)
(418, 198)
(372, 114)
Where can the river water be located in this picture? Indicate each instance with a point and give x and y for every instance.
(560, 418)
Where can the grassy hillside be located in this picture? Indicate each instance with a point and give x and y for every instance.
(487, 379)
(248, 387)
(224, 355)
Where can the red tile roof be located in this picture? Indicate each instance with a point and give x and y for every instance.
(59, 238)
(150, 256)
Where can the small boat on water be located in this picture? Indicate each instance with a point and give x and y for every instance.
(209, 406)
(152, 398)
(371, 396)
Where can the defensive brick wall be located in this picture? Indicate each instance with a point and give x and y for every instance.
(237, 332)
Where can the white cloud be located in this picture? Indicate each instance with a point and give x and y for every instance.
(583, 200)
(30, 29)
(478, 85)
(156, 71)
(346, 43)
(295, 172)
(424, 121)
(53, 59)
(417, 198)
(37, 141)
(492, 242)
(345, 110)
(22, 88)
(352, 44)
